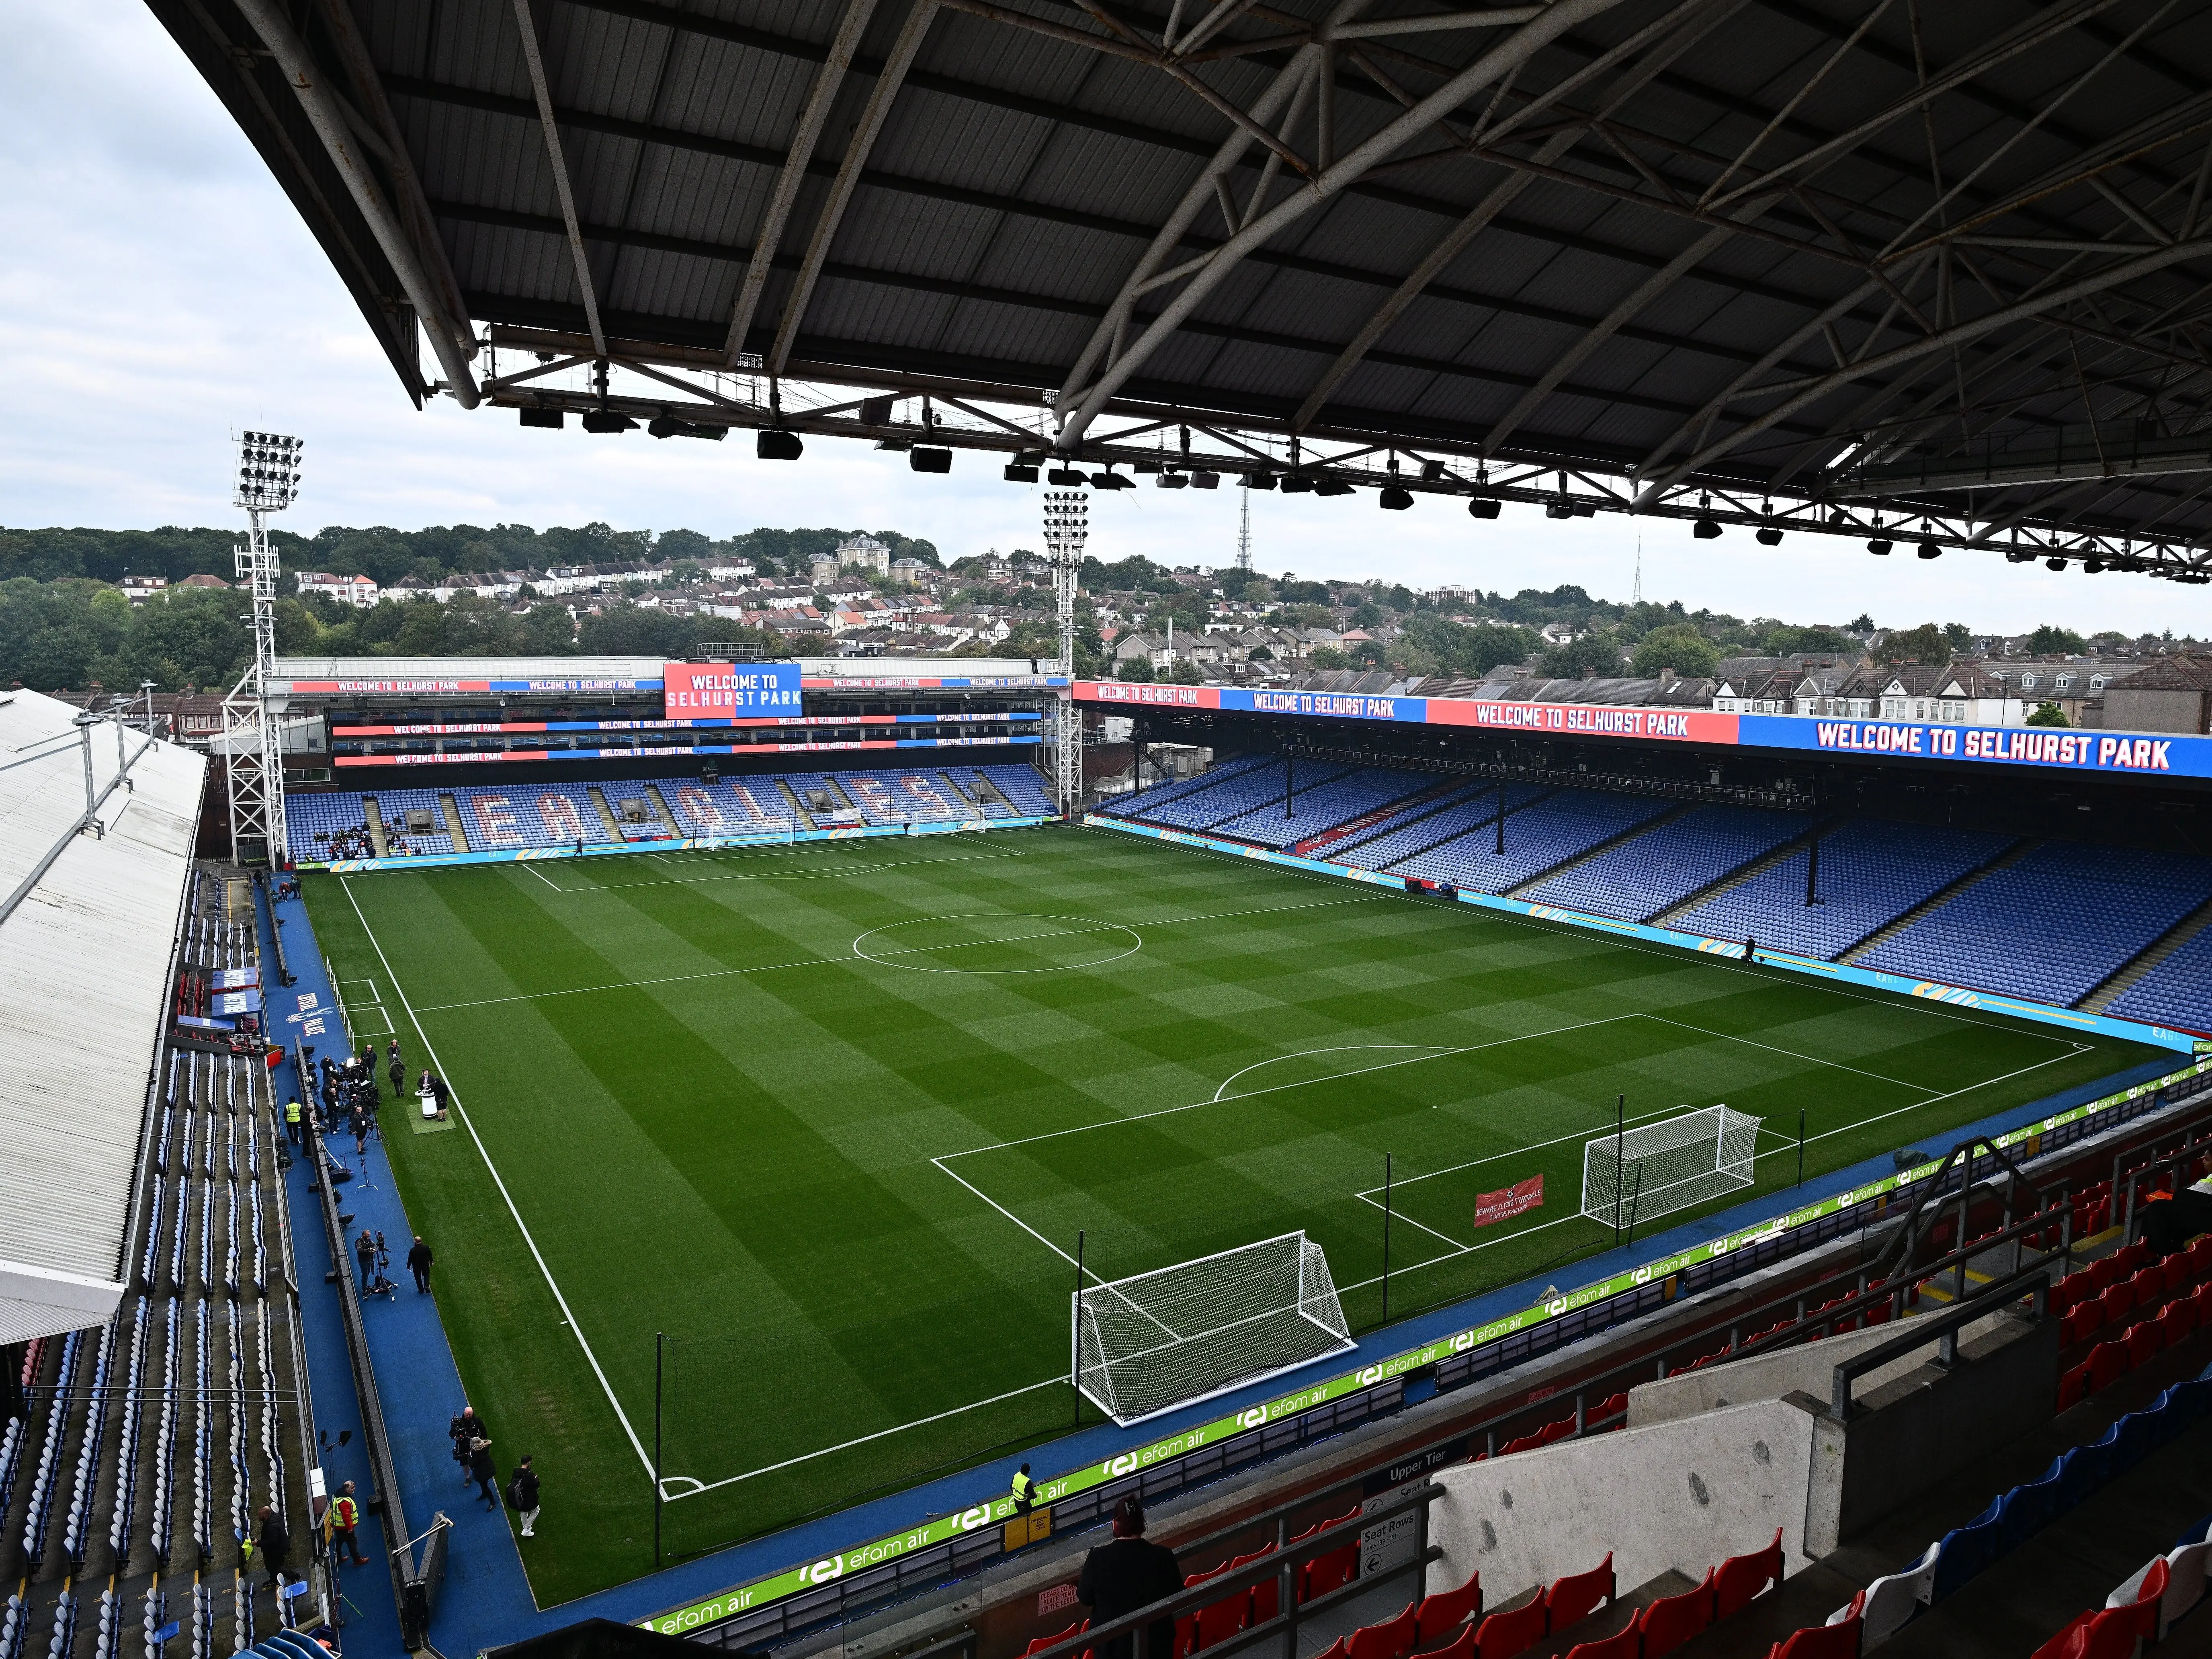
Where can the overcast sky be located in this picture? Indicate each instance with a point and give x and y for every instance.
(157, 292)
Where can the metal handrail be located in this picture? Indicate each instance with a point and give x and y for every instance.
(1280, 1563)
(2034, 1278)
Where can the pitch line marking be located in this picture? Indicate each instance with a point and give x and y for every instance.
(568, 1313)
(994, 915)
(717, 854)
(531, 865)
(1724, 1037)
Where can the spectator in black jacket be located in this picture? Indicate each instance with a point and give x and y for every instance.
(418, 1263)
(522, 1492)
(483, 1473)
(275, 1543)
(466, 1427)
(1126, 1575)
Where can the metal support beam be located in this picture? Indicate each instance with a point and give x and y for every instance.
(533, 53)
(887, 83)
(1523, 43)
(812, 119)
(326, 112)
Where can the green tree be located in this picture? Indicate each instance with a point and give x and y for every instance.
(1136, 672)
(1924, 644)
(2051, 641)
(550, 629)
(1328, 656)
(1596, 652)
(1367, 616)
(1959, 635)
(2048, 713)
(1679, 647)
(1862, 623)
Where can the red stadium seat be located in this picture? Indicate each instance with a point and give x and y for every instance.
(1219, 1620)
(1332, 1571)
(1740, 1578)
(1505, 1634)
(1823, 1641)
(2108, 1363)
(2177, 1275)
(2118, 1302)
(1614, 1405)
(2149, 1285)
(1629, 1644)
(1044, 1642)
(2144, 1341)
(1526, 1443)
(2068, 1640)
(1462, 1646)
(2080, 1324)
(2066, 1293)
(1574, 1598)
(1674, 1619)
(1390, 1639)
(2102, 1274)
(2142, 1612)
(2073, 1386)
(1554, 1433)
(2127, 1261)
(1447, 1610)
(2178, 1319)
(2199, 1257)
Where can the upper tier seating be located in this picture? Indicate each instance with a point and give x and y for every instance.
(1344, 796)
(1870, 874)
(535, 815)
(1241, 794)
(312, 823)
(2178, 992)
(1140, 803)
(1537, 837)
(1460, 815)
(393, 805)
(1022, 786)
(2053, 927)
(1647, 873)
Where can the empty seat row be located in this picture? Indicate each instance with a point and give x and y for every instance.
(1538, 837)
(1279, 823)
(1658, 870)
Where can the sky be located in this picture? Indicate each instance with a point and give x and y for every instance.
(157, 293)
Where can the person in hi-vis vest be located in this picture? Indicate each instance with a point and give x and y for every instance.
(1024, 1490)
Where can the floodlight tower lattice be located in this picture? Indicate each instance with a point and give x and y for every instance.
(268, 482)
(1067, 528)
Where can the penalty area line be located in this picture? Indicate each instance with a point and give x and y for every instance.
(521, 1227)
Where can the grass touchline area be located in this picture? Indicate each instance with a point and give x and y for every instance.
(711, 1125)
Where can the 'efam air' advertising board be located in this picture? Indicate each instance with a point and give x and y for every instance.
(690, 689)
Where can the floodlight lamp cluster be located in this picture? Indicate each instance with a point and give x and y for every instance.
(1067, 522)
(268, 471)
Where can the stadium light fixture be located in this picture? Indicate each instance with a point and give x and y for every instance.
(1930, 549)
(1484, 506)
(1172, 481)
(552, 419)
(776, 444)
(1707, 529)
(1331, 487)
(924, 458)
(1067, 478)
(1394, 499)
(1298, 483)
(1020, 473)
(1768, 535)
(268, 471)
(607, 419)
(2054, 564)
(1261, 479)
(1879, 546)
(1203, 480)
(2092, 567)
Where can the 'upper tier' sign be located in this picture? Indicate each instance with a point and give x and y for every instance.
(690, 689)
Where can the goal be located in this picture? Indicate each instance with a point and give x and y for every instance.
(1152, 1342)
(1674, 1165)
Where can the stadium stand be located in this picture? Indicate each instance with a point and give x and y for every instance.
(2053, 927)
(741, 806)
(537, 815)
(1538, 837)
(395, 806)
(315, 826)
(1666, 865)
(1432, 829)
(1348, 795)
(1244, 791)
(1022, 786)
(1140, 804)
(2176, 991)
(1870, 874)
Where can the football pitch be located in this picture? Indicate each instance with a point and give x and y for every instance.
(831, 1117)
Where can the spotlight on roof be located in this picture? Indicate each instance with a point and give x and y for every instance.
(1707, 529)
(667, 426)
(1331, 487)
(1173, 481)
(1768, 535)
(550, 418)
(1205, 481)
(1298, 483)
(1484, 506)
(1394, 500)
(1067, 478)
(2092, 567)
(1929, 550)
(1878, 547)
(923, 458)
(607, 419)
(2054, 564)
(2019, 555)
(1262, 479)
(1558, 510)
(775, 444)
(1111, 480)
(1020, 473)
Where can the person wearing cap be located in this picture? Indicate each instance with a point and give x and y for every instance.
(1125, 1574)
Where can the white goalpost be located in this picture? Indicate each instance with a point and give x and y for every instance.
(1676, 1164)
(1149, 1343)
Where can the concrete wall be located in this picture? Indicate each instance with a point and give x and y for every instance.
(1683, 1495)
(2152, 710)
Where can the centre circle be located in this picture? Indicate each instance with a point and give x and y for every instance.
(935, 944)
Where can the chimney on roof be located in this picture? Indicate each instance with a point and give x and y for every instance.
(1666, 676)
(1589, 674)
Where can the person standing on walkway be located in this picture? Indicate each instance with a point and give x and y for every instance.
(275, 1543)
(483, 1472)
(292, 1121)
(466, 1427)
(364, 1251)
(398, 1073)
(418, 1263)
(522, 1493)
(1024, 1490)
(345, 1515)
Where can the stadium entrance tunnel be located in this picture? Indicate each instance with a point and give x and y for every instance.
(997, 944)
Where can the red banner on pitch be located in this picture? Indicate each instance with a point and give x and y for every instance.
(1516, 1199)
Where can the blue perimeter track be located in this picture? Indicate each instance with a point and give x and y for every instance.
(486, 1601)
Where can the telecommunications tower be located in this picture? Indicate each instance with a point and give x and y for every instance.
(268, 482)
(1067, 528)
(1244, 527)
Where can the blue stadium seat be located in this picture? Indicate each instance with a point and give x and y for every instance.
(1650, 873)
(393, 806)
(2178, 992)
(1345, 796)
(536, 815)
(1538, 837)
(1466, 813)
(312, 820)
(1023, 786)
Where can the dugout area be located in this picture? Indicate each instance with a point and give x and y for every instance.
(812, 1130)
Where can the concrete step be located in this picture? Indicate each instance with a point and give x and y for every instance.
(373, 815)
(668, 819)
(1605, 846)
(2133, 970)
(452, 809)
(799, 815)
(1452, 796)
(607, 818)
(1889, 930)
(1489, 824)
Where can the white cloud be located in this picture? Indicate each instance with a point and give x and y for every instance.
(157, 291)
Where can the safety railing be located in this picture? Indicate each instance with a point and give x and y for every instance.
(2030, 1281)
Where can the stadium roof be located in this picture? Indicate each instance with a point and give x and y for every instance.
(1835, 263)
(85, 952)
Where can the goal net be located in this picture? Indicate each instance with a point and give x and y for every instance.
(1150, 1343)
(1674, 1165)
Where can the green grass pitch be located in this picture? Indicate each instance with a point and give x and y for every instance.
(832, 1115)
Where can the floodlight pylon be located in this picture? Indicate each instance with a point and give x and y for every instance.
(1066, 529)
(253, 758)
